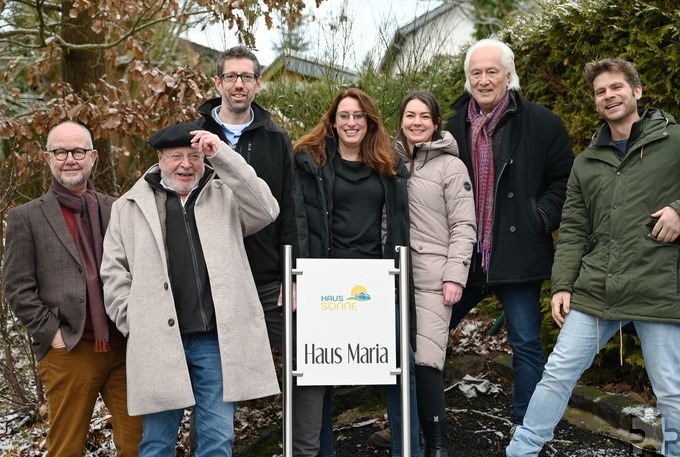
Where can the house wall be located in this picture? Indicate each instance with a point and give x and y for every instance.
(443, 35)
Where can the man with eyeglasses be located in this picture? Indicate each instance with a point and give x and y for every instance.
(51, 280)
(248, 128)
(178, 283)
(519, 157)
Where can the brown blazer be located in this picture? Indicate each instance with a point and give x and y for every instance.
(43, 279)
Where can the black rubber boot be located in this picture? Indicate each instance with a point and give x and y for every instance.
(422, 441)
(436, 438)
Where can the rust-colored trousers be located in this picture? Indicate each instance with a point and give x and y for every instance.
(73, 380)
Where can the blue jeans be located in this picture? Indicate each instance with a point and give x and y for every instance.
(577, 344)
(326, 437)
(521, 304)
(214, 417)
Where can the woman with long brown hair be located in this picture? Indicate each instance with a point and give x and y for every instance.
(354, 188)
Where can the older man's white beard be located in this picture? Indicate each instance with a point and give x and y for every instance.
(181, 190)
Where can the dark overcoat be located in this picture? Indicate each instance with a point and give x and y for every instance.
(534, 158)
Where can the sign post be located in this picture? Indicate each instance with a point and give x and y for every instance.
(345, 328)
(405, 351)
(287, 292)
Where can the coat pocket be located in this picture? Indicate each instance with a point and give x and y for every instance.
(590, 244)
(650, 226)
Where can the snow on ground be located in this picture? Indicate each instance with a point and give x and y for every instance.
(20, 436)
(647, 414)
(472, 337)
(600, 453)
(31, 442)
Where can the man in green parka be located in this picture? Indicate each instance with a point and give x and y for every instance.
(617, 257)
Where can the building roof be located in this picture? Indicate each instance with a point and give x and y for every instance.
(307, 68)
(402, 32)
(425, 18)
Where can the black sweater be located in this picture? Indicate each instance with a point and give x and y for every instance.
(268, 149)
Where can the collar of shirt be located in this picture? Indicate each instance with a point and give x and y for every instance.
(232, 131)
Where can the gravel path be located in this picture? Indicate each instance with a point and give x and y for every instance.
(479, 427)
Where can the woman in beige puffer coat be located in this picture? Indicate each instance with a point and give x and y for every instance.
(442, 215)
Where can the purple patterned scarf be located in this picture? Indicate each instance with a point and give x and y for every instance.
(481, 131)
(89, 242)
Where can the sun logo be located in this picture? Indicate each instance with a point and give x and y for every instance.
(359, 293)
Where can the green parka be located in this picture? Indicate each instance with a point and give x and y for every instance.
(606, 256)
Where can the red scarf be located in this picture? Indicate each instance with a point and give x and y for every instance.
(89, 243)
(481, 130)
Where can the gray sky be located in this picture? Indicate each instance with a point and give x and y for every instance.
(370, 24)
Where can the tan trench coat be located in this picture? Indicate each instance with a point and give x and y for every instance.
(139, 298)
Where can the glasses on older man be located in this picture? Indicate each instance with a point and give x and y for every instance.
(358, 116)
(177, 157)
(62, 154)
(247, 78)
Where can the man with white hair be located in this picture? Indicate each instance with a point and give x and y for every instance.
(519, 157)
(177, 282)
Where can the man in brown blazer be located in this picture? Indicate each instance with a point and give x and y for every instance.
(53, 252)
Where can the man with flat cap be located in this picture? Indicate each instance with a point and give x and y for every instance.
(178, 284)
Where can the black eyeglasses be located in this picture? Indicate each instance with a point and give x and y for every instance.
(232, 77)
(62, 154)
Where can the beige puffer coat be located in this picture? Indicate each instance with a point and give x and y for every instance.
(443, 233)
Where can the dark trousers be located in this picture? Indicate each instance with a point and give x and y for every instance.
(521, 304)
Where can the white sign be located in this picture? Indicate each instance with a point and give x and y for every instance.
(346, 322)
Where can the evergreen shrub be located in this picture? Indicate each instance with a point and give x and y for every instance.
(551, 47)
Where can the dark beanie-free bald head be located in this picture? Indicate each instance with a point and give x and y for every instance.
(173, 136)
